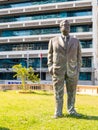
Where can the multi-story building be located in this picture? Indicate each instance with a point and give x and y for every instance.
(27, 25)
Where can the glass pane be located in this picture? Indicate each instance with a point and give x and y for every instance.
(33, 2)
(85, 76)
(86, 43)
(87, 61)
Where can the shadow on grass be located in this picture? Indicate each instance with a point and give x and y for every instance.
(3, 128)
(4, 90)
(44, 92)
(36, 92)
(82, 116)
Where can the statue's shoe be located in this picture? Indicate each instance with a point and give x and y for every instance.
(75, 114)
(57, 116)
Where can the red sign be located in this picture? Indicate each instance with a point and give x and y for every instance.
(41, 55)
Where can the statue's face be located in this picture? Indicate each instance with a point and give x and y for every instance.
(65, 28)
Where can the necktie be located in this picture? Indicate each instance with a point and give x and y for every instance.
(66, 42)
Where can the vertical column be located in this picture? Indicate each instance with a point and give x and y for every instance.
(95, 40)
(27, 59)
(40, 66)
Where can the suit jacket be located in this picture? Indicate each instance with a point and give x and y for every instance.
(63, 60)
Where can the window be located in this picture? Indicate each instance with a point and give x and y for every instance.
(7, 76)
(85, 76)
(24, 46)
(86, 43)
(87, 61)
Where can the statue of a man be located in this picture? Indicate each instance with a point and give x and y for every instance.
(64, 62)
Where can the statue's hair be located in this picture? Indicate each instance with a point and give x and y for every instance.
(64, 21)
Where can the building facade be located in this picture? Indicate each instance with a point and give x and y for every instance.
(27, 25)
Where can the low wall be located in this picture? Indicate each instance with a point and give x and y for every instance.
(87, 89)
(9, 86)
(46, 87)
(81, 89)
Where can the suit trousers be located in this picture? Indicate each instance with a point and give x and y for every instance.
(58, 85)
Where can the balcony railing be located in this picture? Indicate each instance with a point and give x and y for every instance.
(87, 52)
(45, 22)
(46, 37)
(47, 7)
(36, 53)
(86, 69)
(23, 54)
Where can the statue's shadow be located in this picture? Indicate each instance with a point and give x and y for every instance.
(3, 128)
(82, 116)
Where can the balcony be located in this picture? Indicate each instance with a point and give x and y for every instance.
(23, 54)
(87, 69)
(46, 37)
(45, 22)
(47, 7)
(87, 52)
(36, 53)
(10, 70)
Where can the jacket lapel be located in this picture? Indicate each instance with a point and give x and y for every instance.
(61, 42)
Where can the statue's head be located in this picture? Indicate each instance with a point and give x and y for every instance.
(65, 27)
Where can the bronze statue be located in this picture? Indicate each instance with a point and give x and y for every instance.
(64, 62)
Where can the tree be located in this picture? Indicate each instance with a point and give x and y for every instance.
(31, 76)
(25, 74)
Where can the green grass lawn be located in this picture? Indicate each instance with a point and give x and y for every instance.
(34, 112)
